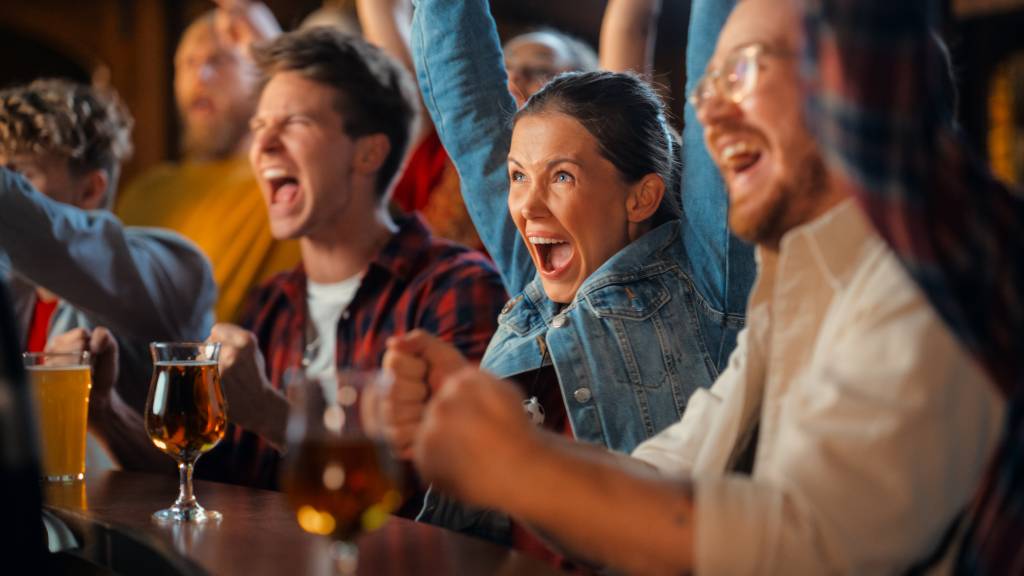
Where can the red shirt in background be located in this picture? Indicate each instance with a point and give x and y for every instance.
(40, 325)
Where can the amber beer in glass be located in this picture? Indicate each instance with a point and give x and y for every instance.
(185, 416)
(60, 387)
(340, 477)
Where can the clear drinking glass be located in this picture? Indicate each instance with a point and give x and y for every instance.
(185, 416)
(60, 387)
(339, 475)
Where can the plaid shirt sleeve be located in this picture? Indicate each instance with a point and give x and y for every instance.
(464, 301)
(877, 80)
(877, 106)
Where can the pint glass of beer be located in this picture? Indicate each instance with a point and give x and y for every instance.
(60, 386)
(185, 416)
(340, 476)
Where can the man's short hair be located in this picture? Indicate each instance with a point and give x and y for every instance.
(376, 95)
(89, 126)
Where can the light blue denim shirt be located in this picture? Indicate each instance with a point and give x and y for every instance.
(653, 323)
(144, 284)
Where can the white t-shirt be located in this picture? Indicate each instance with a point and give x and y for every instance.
(326, 304)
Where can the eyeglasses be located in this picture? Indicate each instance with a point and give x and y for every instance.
(532, 74)
(736, 78)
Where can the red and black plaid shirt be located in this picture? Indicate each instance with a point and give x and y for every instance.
(417, 281)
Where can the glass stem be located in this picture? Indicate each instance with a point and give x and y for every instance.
(346, 557)
(186, 498)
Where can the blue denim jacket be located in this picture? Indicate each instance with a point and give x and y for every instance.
(654, 322)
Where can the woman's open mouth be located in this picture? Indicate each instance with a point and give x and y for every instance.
(553, 255)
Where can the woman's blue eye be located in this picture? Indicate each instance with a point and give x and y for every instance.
(517, 176)
(563, 177)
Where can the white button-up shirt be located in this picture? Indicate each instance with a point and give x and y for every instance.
(874, 425)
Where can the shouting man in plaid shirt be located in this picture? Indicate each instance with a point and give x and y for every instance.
(333, 123)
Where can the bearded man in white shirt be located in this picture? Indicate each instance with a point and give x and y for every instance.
(868, 426)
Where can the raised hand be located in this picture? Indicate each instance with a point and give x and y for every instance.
(418, 363)
(245, 23)
(474, 438)
(103, 352)
(252, 401)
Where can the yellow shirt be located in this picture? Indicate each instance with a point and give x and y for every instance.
(217, 205)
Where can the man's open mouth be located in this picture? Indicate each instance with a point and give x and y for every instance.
(739, 157)
(284, 188)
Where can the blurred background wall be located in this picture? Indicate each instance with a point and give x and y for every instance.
(130, 45)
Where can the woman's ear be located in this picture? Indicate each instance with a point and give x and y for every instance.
(644, 198)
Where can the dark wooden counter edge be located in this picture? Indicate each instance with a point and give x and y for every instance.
(114, 531)
(122, 549)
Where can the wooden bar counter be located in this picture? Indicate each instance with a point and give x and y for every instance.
(110, 526)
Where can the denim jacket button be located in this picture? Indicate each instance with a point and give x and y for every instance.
(558, 321)
(582, 395)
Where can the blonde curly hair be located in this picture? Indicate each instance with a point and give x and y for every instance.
(89, 126)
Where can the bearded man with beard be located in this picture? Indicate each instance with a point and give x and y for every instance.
(211, 196)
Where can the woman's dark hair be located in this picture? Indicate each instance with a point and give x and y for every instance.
(627, 118)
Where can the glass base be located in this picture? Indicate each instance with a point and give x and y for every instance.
(66, 478)
(193, 514)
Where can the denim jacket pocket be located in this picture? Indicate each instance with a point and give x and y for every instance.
(635, 313)
(636, 300)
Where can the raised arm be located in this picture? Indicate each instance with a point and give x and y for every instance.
(461, 76)
(628, 33)
(723, 265)
(957, 229)
(155, 286)
(387, 24)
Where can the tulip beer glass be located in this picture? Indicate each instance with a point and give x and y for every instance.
(185, 416)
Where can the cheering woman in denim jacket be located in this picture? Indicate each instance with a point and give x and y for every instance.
(622, 307)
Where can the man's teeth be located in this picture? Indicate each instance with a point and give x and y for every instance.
(733, 150)
(272, 173)
(540, 240)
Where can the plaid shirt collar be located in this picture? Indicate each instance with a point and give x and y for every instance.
(396, 259)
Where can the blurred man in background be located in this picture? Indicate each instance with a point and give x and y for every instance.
(211, 197)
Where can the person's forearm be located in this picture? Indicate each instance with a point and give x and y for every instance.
(273, 418)
(137, 286)
(122, 431)
(613, 509)
(386, 24)
(628, 34)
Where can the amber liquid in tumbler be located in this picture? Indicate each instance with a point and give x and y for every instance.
(342, 487)
(62, 400)
(185, 413)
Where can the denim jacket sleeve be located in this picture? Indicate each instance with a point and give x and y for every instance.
(461, 75)
(722, 265)
(137, 282)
